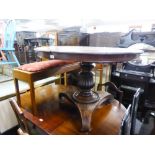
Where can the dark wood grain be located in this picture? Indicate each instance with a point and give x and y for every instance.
(56, 119)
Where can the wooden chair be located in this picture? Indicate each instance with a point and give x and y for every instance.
(40, 70)
(23, 127)
(133, 113)
(26, 127)
(134, 108)
(8, 37)
(125, 128)
(116, 92)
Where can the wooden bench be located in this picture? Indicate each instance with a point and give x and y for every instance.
(30, 75)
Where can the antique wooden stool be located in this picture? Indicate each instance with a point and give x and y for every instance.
(37, 71)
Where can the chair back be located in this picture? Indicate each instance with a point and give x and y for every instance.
(126, 122)
(23, 127)
(134, 108)
(112, 88)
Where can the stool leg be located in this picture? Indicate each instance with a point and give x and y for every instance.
(99, 87)
(32, 96)
(65, 79)
(17, 91)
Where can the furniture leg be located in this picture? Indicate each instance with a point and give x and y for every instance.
(15, 58)
(17, 91)
(86, 110)
(32, 96)
(99, 87)
(85, 99)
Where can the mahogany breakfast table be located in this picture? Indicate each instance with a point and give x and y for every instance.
(85, 99)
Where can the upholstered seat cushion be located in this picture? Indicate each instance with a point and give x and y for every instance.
(38, 66)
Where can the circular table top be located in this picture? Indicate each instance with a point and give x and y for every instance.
(91, 54)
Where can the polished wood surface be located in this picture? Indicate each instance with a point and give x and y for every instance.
(64, 118)
(85, 99)
(90, 54)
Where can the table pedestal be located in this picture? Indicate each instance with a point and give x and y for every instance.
(85, 99)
